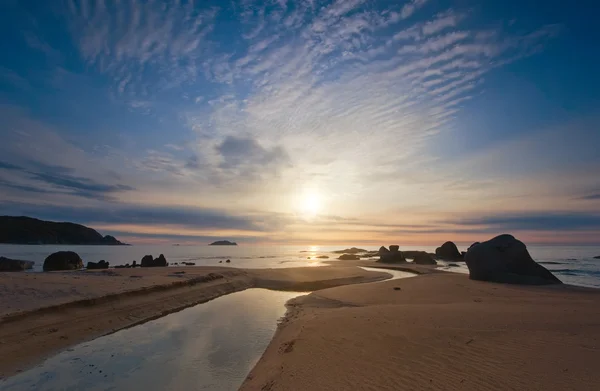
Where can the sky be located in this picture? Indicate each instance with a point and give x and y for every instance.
(303, 122)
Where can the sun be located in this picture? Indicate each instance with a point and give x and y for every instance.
(311, 204)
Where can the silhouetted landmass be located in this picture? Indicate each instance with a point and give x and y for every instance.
(223, 243)
(27, 230)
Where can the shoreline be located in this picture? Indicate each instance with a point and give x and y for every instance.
(439, 331)
(43, 317)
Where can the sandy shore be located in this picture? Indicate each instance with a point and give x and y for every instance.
(439, 331)
(42, 313)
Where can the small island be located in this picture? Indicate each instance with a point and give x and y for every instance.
(223, 243)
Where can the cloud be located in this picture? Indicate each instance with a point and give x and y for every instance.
(148, 215)
(47, 179)
(411, 7)
(244, 152)
(546, 221)
(140, 39)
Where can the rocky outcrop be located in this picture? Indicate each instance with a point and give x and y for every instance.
(148, 261)
(393, 255)
(322, 257)
(348, 257)
(14, 265)
(97, 265)
(598, 257)
(352, 250)
(506, 259)
(27, 230)
(424, 259)
(63, 260)
(448, 250)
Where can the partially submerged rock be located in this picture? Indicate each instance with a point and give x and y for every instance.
(322, 257)
(412, 254)
(424, 259)
(63, 260)
(448, 250)
(348, 257)
(506, 259)
(392, 255)
(14, 265)
(97, 265)
(352, 250)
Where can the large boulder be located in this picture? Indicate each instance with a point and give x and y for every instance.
(423, 258)
(448, 250)
(14, 265)
(392, 255)
(97, 265)
(506, 259)
(148, 261)
(63, 260)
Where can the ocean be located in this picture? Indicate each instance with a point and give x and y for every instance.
(572, 264)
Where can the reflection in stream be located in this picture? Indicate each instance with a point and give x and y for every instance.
(211, 346)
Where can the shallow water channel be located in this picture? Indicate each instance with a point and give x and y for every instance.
(211, 346)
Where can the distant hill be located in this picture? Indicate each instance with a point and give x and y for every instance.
(27, 230)
(223, 243)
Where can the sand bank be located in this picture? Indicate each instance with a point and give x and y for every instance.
(439, 331)
(42, 313)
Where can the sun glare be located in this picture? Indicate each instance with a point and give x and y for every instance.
(311, 204)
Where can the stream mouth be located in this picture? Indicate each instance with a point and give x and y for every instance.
(210, 346)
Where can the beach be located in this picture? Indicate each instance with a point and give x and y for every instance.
(43, 313)
(438, 330)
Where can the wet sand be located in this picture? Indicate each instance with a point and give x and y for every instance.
(438, 331)
(42, 313)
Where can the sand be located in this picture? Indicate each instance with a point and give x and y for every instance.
(435, 331)
(439, 331)
(42, 313)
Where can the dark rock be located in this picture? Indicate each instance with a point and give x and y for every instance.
(161, 261)
(387, 256)
(348, 257)
(424, 259)
(412, 254)
(453, 265)
(476, 243)
(134, 264)
(506, 259)
(228, 261)
(352, 250)
(598, 257)
(223, 243)
(394, 247)
(63, 260)
(323, 257)
(97, 265)
(448, 250)
(14, 265)
(220, 261)
(147, 260)
(188, 263)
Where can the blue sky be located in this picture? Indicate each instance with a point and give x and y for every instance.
(303, 121)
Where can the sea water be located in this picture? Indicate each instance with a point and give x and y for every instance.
(572, 264)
